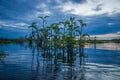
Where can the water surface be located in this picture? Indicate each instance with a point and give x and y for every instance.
(102, 62)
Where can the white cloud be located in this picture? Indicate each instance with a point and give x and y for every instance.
(118, 33)
(110, 24)
(41, 9)
(38, 13)
(19, 25)
(108, 7)
(42, 5)
(46, 12)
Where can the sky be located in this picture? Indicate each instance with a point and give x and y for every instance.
(102, 16)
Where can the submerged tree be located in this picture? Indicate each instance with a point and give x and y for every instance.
(81, 37)
(33, 31)
(44, 32)
(59, 40)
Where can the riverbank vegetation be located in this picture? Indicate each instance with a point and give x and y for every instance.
(24, 40)
(10, 41)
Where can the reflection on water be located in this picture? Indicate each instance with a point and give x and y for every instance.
(2, 56)
(25, 63)
(106, 46)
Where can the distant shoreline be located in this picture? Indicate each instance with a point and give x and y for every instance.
(9, 41)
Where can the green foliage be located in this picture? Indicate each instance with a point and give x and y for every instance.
(33, 25)
(54, 37)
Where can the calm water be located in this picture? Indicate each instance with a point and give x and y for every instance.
(22, 63)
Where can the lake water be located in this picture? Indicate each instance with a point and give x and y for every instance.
(102, 63)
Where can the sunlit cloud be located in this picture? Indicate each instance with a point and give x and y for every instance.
(107, 36)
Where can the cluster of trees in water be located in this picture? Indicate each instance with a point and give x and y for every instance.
(57, 44)
(59, 37)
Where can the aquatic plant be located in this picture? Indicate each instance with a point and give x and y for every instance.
(55, 39)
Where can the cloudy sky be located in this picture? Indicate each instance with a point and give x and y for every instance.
(102, 16)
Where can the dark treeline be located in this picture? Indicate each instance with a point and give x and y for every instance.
(23, 40)
(9, 41)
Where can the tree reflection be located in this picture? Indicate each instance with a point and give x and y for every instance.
(35, 60)
(3, 55)
(50, 67)
(82, 64)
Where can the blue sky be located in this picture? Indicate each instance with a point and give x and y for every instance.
(102, 16)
